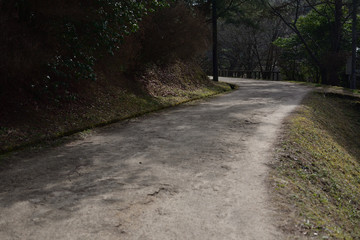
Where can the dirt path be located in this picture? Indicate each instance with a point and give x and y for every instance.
(193, 172)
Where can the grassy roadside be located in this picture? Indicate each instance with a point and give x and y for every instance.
(329, 88)
(107, 109)
(316, 174)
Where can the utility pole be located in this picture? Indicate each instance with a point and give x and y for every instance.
(215, 42)
(354, 40)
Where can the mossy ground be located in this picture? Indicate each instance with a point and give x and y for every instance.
(316, 175)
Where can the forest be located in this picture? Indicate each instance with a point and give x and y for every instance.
(307, 40)
(64, 57)
(310, 41)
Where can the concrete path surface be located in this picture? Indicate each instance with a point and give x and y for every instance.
(195, 172)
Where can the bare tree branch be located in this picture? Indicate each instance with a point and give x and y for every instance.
(294, 28)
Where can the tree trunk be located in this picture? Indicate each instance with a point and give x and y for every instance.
(334, 60)
(354, 40)
(215, 42)
(336, 27)
(323, 75)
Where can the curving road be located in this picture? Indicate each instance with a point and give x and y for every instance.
(196, 171)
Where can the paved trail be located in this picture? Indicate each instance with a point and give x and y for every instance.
(192, 172)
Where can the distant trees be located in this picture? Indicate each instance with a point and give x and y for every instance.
(320, 41)
(250, 46)
(245, 38)
(219, 9)
(307, 39)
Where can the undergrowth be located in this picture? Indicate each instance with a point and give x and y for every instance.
(316, 175)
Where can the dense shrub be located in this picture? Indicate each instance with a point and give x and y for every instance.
(46, 45)
(56, 52)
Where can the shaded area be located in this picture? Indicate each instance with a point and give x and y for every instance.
(34, 123)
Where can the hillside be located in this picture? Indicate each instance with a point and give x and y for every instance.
(316, 175)
(35, 121)
(67, 66)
